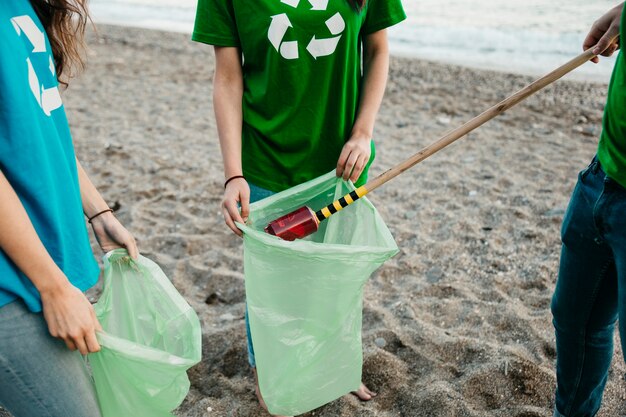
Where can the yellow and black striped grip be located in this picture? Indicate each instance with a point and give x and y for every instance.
(343, 202)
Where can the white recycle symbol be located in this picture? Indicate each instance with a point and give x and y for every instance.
(316, 47)
(48, 98)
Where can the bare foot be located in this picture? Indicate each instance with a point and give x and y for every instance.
(257, 391)
(364, 393)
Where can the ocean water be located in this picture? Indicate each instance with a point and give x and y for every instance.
(522, 36)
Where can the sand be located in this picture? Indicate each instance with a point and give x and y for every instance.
(458, 323)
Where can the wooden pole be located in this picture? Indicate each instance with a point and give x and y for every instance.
(456, 134)
(479, 120)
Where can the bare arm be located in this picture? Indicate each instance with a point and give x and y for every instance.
(67, 311)
(108, 230)
(603, 33)
(227, 97)
(356, 152)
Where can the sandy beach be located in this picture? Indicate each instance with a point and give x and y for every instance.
(458, 323)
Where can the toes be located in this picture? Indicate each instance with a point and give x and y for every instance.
(364, 393)
(366, 390)
(364, 396)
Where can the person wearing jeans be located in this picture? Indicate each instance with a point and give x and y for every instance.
(46, 262)
(590, 292)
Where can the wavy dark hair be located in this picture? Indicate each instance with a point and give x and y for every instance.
(64, 22)
(357, 4)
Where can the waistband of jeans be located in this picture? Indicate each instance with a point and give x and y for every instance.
(596, 168)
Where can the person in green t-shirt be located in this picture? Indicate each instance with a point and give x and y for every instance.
(590, 291)
(297, 87)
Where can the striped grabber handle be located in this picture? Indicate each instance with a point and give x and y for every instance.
(343, 202)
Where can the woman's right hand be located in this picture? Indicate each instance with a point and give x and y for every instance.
(67, 311)
(603, 33)
(71, 317)
(236, 194)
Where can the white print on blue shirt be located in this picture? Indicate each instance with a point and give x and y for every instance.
(49, 99)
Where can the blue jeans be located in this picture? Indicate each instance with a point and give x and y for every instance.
(256, 194)
(590, 291)
(39, 375)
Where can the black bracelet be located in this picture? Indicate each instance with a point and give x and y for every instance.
(98, 214)
(233, 178)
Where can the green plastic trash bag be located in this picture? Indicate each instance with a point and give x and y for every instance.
(151, 337)
(305, 297)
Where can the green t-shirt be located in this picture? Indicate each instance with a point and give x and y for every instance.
(612, 147)
(302, 78)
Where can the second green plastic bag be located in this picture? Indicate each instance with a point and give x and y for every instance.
(151, 337)
(305, 297)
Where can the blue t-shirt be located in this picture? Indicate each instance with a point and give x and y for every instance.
(37, 155)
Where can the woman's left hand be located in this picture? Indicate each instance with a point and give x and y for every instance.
(354, 157)
(110, 234)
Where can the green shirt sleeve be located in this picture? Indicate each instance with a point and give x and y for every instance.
(215, 23)
(382, 14)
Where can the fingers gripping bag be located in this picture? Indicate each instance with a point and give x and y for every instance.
(151, 337)
(305, 297)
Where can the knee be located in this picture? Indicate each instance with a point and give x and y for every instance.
(570, 319)
(566, 317)
(558, 309)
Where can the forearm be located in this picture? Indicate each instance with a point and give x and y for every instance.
(19, 240)
(375, 72)
(93, 202)
(227, 102)
(108, 231)
(228, 114)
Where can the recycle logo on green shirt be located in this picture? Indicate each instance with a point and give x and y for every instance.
(317, 46)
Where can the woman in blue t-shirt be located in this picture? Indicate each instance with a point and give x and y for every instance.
(46, 263)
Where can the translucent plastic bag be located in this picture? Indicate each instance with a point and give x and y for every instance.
(151, 337)
(305, 297)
